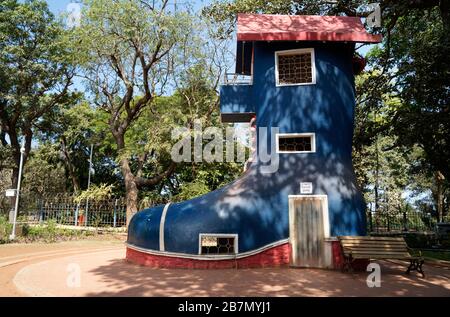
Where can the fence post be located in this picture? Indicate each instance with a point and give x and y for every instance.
(405, 221)
(41, 211)
(115, 214)
(388, 223)
(76, 214)
(370, 222)
(86, 212)
(377, 222)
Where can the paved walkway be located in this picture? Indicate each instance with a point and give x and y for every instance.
(104, 272)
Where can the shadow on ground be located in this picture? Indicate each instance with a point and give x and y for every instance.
(127, 279)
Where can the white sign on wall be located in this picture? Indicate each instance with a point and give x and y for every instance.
(306, 188)
(10, 192)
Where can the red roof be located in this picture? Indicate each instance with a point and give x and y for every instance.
(272, 27)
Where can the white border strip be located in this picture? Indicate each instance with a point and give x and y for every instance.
(209, 257)
(161, 227)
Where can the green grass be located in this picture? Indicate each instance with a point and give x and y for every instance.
(45, 232)
(50, 232)
(437, 255)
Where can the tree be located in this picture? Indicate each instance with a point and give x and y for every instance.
(383, 173)
(74, 128)
(35, 72)
(195, 100)
(411, 67)
(44, 175)
(128, 51)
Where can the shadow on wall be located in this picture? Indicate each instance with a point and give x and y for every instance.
(326, 108)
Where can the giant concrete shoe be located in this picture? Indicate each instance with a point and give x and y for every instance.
(289, 209)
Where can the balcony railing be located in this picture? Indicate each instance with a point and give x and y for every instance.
(237, 79)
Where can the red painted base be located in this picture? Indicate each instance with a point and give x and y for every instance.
(274, 257)
(278, 256)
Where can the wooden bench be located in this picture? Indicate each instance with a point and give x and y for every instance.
(379, 248)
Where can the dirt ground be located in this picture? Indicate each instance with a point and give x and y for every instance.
(98, 268)
(15, 256)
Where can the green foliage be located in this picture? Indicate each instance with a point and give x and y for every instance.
(405, 98)
(112, 33)
(44, 173)
(5, 229)
(192, 190)
(152, 198)
(36, 70)
(96, 192)
(423, 83)
(50, 232)
(386, 167)
(437, 255)
(420, 240)
(5, 183)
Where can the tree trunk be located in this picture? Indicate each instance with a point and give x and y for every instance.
(377, 169)
(440, 195)
(14, 177)
(130, 188)
(70, 167)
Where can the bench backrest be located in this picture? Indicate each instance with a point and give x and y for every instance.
(374, 247)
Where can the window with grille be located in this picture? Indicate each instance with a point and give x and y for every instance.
(295, 67)
(296, 143)
(218, 244)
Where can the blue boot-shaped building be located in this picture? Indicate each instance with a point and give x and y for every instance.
(300, 93)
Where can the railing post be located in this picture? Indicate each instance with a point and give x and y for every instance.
(76, 214)
(388, 223)
(115, 214)
(377, 222)
(86, 212)
(370, 222)
(124, 211)
(41, 210)
(405, 221)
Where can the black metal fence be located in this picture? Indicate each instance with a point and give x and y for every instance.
(411, 221)
(66, 210)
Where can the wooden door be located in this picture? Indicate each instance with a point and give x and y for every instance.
(307, 234)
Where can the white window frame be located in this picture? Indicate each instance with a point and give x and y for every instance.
(218, 235)
(294, 52)
(310, 134)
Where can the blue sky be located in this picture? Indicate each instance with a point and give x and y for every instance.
(59, 6)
